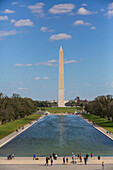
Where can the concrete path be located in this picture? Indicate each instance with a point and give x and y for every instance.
(55, 167)
(59, 161)
(14, 134)
(102, 130)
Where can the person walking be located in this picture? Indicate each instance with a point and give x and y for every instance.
(87, 156)
(13, 156)
(102, 165)
(78, 155)
(51, 161)
(98, 157)
(47, 161)
(64, 160)
(34, 156)
(80, 158)
(85, 160)
(67, 160)
(73, 156)
(91, 155)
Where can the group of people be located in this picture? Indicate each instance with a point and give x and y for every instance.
(17, 130)
(54, 156)
(75, 158)
(108, 132)
(10, 156)
(86, 158)
(65, 160)
(34, 157)
(51, 159)
(79, 156)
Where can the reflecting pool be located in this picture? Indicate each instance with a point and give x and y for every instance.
(62, 135)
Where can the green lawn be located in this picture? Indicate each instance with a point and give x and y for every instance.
(103, 122)
(10, 127)
(61, 109)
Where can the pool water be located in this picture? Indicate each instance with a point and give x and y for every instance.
(61, 134)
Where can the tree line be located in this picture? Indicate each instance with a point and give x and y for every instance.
(15, 107)
(45, 104)
(101, 106)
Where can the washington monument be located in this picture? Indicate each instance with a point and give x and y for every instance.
(61, 79)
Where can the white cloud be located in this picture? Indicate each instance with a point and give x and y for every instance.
(72, 13)
(110, 6)
(12, 21)
(83, 11)
(62, 8)
(109, 13)
(22, 22)
(102, 10)
(43, 29)
(61, 36)
(8, 11)
(45, 78)
(37, 78)
(93, 28)
(23, 65)
(48, 63)
(37, 8)
(3, 18)
(14, 3)
(81, 22)
(21, 88)
(71, 61)
(84, 4)
(53, 63)
(7, 33)
(51, 30)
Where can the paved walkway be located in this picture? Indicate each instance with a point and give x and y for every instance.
(59, 161)
(102, 130)
(55, 167)
(14, 134)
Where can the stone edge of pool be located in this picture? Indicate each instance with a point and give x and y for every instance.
(11, 136)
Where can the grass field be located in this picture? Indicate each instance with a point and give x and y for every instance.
(10, 127)
(62, 109)
(103, 122)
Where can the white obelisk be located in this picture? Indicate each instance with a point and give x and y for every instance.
(61, 79)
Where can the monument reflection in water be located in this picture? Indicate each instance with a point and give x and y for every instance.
(61, 135)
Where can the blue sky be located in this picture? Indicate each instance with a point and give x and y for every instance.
(31, 33)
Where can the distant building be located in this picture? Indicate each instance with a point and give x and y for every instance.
(53, 101)
(77, 100)
(66, 101)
